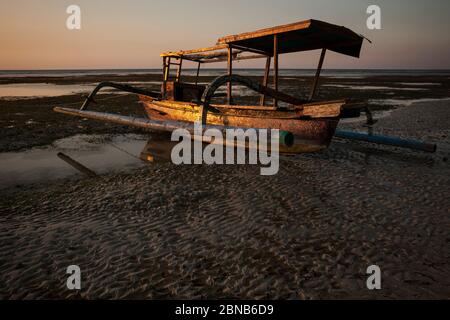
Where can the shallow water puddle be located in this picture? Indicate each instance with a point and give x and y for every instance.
(99, 153)
(29, 90)
(122, 153)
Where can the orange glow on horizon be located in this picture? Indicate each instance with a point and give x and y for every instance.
(131, 35)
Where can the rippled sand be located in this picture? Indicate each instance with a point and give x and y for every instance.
(226, 232)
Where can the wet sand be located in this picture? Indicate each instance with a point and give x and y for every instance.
(175, 232)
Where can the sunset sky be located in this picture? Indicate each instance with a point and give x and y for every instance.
(132, 33)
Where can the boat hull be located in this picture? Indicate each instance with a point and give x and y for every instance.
(310, 135)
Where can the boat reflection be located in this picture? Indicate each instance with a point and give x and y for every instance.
(158, 148)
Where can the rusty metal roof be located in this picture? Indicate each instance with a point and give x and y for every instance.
(300, 36)
(295, 37)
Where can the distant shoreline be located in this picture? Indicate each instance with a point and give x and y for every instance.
(372, 69)
(218, 71)
(206, 68)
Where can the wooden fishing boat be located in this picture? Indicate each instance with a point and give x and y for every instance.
(312, 123)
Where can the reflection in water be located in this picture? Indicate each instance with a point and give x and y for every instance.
(105, 153)
(158, 148)
(21, 90)
(100, 153)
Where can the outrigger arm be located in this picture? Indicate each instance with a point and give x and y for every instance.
(120, 86)
(208, 94)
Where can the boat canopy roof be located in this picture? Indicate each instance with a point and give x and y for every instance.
(216, 53)
(295, 37)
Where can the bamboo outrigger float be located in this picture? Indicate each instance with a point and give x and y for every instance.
(312, 123)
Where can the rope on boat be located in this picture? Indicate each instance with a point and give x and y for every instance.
(124, 151)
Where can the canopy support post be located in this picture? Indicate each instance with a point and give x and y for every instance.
(198, 72)
(179, 70)
(316, 78)
(164, 77)
(166, 70)
(265, 81)
(230, 71)
(275, 67)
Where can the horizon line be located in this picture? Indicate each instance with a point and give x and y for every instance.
(224, 68)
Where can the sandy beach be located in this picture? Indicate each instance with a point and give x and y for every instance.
(185, 232)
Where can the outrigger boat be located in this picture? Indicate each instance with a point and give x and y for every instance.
(306, 124)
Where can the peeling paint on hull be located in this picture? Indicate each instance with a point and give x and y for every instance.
(310, 135)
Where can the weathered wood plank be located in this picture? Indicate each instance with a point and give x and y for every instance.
(323, 111)
(199, 50)
(235, 58)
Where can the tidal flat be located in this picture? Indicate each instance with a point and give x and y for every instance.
(160, 231)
